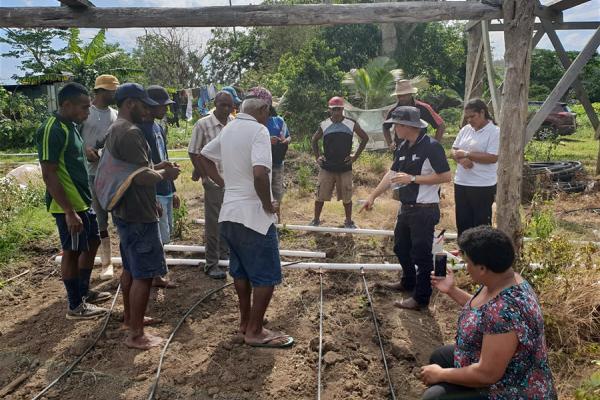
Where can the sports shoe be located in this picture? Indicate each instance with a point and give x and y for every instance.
(216, 272)
(350, 225)
(314, 222)
(86, 311)
(95, 296)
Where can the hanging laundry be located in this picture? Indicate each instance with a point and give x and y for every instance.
(203, 101)
(212, 91)
(188, 110)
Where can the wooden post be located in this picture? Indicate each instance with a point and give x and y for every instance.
(563, 85)
(489, 67)
(474, 65)
(566, 62)
(518, 19)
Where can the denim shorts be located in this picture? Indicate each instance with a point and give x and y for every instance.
(141, 249)
(252, 256)
(88, 234)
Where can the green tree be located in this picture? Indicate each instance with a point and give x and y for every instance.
(170, 58)
(19, 119)
(437, 51)
(308, 78)
(36, 48)
(546, 71)
(373, 84)
(354, 44)
(86, 61)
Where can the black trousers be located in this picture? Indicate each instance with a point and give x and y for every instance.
(444, 357)
(473, 206)
(413, 239)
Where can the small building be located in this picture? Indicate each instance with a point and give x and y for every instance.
(48, 89)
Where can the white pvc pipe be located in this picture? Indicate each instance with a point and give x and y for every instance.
(377, 232)
(287, 253)
(225, 263)
(374, 232)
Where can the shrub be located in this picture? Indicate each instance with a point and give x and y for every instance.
(305, 176)
(180, 217)
(20, 117)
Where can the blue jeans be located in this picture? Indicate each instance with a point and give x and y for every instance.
(165, 224)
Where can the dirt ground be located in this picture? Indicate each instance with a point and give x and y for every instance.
(206, 359)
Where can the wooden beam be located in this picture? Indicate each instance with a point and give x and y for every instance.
(250, 15)
(518, 15)
(489, 67)
(563, 84)
(558, 26)
(77, 3)
(548, 13)
(562, 5)
(566, 62)
(539, 34)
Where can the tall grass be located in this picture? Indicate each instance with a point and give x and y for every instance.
(23, 218)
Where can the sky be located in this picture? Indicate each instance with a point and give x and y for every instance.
(572, 40)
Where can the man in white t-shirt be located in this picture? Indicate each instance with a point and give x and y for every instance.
(93, 132)
(248, 214)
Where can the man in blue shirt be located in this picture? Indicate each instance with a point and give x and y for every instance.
(165, 190)
(280, 139)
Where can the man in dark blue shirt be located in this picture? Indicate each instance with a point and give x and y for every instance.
(165, 190)
(419, 167)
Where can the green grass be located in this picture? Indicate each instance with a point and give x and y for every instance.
(27, 226)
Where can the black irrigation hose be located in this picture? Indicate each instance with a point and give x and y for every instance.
(387, 371)
(91, 346)
(320, 337)
(192, 308)
(164, 350)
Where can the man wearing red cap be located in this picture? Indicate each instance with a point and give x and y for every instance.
(337, 159)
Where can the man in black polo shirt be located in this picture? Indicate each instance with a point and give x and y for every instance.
(419, 167)
(405, 92)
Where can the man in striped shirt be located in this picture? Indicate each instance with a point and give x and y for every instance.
(68, 198)
(205, 130)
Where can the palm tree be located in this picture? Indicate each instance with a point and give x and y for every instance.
(86, 62)
(374, 83)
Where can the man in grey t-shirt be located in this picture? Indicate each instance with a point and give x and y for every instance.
(94, 131)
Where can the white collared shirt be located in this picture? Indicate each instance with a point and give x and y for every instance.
(241, 145)
(485, 140)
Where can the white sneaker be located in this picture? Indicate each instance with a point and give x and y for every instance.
(86, 311)
(108, 273)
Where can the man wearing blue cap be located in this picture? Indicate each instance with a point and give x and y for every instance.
(136, 215)
(419, 167)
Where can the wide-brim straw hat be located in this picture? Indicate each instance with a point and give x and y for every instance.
(404, 86)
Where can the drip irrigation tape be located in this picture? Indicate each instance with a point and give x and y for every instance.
(90, 347)
(181, 321)
(387, 371)
(320, 337)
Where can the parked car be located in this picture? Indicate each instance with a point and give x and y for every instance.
(560, 121)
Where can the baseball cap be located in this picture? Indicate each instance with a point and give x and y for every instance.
(406, 115)
(106, 82)
(335, 102)
(231, 90)
(133, 91)
(260, 92)
(159, 94)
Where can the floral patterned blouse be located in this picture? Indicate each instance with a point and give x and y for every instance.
(515, 308)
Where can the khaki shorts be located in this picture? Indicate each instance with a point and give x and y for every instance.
(342, 182)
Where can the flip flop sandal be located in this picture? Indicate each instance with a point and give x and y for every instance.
(268, 343)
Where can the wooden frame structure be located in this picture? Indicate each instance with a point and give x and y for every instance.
(518, 24)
